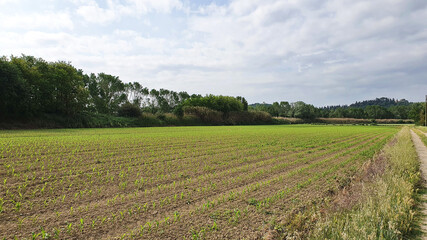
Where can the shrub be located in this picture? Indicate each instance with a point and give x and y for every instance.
(223, 104)
(129, 110)
(252, 117)
(204, 114)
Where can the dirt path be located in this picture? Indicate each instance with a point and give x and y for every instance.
(422, 155)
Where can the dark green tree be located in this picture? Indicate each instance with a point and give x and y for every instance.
(14, 91)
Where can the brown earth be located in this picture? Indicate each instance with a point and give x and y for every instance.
(222, 182)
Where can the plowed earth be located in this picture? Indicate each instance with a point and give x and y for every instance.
(172, 183)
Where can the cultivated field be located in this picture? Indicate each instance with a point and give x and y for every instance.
(172, 183)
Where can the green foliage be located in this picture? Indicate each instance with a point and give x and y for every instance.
(107, 93)
(417, 112)
(129, 110)
(220, 103)
(285, 109)
(205, 114)
(377, 112)
(14, 92)
(247, 118)
(33, 86)
(303, 110)
(382, 102)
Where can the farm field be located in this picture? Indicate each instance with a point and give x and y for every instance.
(172, 183)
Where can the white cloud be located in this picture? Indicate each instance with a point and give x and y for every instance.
(4, 2)
(93, 13)
(338, 51)
(334, 41)
(163, 6)
(45, 21)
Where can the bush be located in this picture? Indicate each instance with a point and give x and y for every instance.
(252, 117)
(171, 119)
(223, 104)
(129, 110)
(205, 114)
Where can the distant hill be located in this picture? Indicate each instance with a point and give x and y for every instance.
(260, 105)
(383, 102)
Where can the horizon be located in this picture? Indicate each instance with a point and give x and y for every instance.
(338, 105)
(322, 53)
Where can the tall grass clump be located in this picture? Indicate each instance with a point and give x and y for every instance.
(386, 209)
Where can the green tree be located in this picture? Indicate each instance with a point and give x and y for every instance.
(223, 104)
(400, 111)
(244, 102)
(303, 110)
(14, 91)
(377, 112)
(339, 113)
(416, 112)
(69, 94)
(107, 93)
(40, 90)
(136, 93)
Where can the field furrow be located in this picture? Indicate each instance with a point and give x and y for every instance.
(171, 183)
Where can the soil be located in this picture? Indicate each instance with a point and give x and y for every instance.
(77, 183)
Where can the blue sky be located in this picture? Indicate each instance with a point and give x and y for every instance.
(321, 52)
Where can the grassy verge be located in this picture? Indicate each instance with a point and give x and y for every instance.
(386, 206)
(420, 131)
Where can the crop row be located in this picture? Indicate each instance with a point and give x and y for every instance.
(156, 181)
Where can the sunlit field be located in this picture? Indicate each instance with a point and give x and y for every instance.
(173, 182)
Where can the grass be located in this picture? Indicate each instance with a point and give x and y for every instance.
(387, 209)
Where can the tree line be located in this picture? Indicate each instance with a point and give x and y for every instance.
(31, 87)
(380, 108)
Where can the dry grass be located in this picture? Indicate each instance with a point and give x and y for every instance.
(386, 200)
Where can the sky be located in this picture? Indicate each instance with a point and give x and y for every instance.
(321, 52)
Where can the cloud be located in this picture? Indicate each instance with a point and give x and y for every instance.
(45, 21)
(93, 13)
(329, 44)
(322, 52)
(163, 6)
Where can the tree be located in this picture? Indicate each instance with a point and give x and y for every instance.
(223, 104)
(356, 113)
(303, 110)
(34, 71)
(377, 112)
(107, 92)
(244, 102)
(339, 113)
(416, 112)
(136, 93)
(400, 111)
(285, 109)
(69, 94)
(14, 91)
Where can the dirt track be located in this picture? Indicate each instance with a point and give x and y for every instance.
(422, 155)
